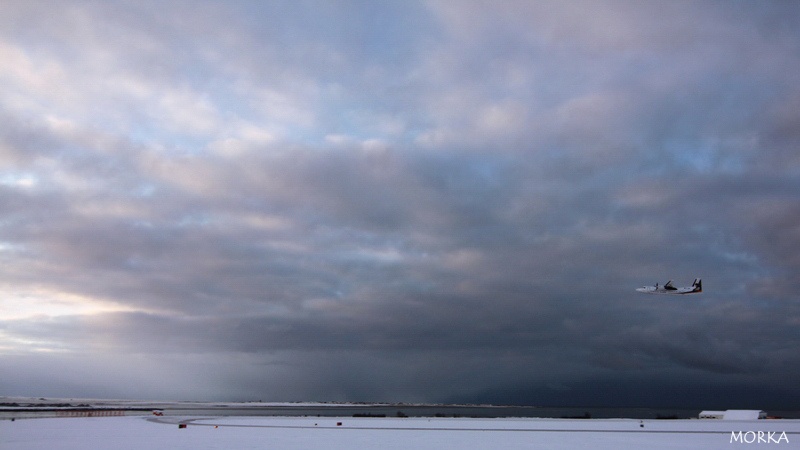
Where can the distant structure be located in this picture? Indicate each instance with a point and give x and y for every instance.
(734, 414)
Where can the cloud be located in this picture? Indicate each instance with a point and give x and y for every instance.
(408, 203)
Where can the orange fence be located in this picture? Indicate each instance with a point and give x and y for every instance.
(90, 413)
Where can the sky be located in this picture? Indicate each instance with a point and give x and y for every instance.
(447, 202)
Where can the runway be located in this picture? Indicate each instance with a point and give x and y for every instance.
(339, 433)
(483, 425)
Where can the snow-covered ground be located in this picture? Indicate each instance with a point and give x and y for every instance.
(333, 433)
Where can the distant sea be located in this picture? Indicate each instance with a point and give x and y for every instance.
(16, 407)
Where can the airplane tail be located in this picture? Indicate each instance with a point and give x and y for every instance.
(697, 285)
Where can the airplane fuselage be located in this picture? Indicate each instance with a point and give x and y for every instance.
(696, 288)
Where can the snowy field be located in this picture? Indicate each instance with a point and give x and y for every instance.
(131, 432)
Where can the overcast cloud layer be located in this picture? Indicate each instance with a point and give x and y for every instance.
(401, 201)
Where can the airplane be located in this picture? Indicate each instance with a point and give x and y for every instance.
(668, 288)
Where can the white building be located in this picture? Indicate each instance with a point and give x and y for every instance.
(734, 414)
